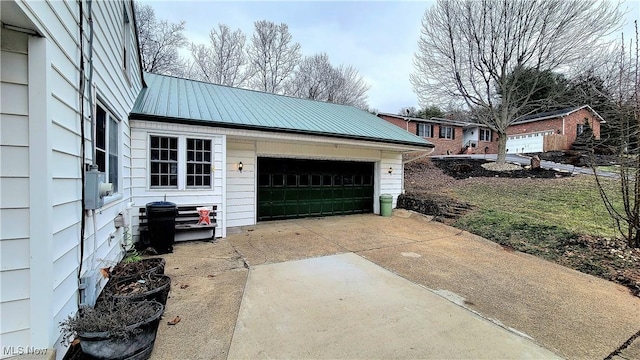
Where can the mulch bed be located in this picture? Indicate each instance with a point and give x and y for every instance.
(472, 168)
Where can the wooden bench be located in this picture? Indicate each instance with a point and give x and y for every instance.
(187, 218)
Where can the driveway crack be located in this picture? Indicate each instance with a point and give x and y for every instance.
(625, 345)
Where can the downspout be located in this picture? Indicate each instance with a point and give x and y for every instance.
(426, 153)
(82, 91)
(82, 142)
(93, 126)
(562, 125)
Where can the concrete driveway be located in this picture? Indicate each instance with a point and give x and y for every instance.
(501, 303)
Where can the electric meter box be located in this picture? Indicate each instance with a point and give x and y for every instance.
(95, 190)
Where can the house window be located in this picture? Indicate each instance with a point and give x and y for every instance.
(106, 142)
(579, 129)
(485, 134)
(446, 132)
(425, 130)
(164, 162)
(198, 163)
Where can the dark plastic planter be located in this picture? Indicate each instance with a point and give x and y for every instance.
(158, 294)
(151, 266)
(101, 345)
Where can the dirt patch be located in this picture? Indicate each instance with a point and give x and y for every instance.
(435, 182)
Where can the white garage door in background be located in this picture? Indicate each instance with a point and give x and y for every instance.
(525, 143)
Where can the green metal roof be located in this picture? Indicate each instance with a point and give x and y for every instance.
(173, 99)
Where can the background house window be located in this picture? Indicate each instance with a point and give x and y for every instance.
(164, 161)
(579, 129)
(198, 163)
(425, 130)
(485, 134)
(446, 132)
(107, 130)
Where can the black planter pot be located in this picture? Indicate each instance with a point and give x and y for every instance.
(131, 270)
(102, 345)
(158, 294)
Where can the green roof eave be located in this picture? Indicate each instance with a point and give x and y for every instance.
(175, 120)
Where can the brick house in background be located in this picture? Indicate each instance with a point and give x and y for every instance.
(547, 131)
(448, 135)
(552, 130)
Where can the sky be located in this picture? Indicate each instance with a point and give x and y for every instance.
(379, 38)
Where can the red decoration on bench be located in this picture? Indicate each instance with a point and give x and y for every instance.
(204, 216)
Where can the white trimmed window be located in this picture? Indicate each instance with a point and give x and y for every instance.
(425, 130)
(485, 134)
(446, 132)
(180, 163)
(163, 162)
(106, 141)
(198, 163)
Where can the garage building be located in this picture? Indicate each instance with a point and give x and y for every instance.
(260, 156)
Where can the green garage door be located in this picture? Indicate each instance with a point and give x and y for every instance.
(294, 188)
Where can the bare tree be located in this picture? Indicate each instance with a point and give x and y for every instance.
(315, 78)
(223, 60)
(473, 52)
(159, 43)
(272, 55)
(353, 89)
(623, 88)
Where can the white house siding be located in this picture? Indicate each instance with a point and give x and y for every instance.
(390, 183)
(470, 135)
(55, 154)
(142, 193)
(241, 186)
(14, 189)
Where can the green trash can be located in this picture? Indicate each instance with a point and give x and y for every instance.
(386, 201)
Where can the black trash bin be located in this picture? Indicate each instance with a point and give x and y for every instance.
(161, 219)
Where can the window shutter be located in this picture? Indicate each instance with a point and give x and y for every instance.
(453, 133)
(417, 129)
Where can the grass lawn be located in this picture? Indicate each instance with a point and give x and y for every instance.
(568, 205)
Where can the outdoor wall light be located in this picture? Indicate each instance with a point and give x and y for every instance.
(240, 166)
(390, 169)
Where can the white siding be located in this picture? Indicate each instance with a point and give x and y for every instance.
(390, 183)
(53, 157)
(14, 188)
(143, 193)
(241, 186)
(317, 151)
